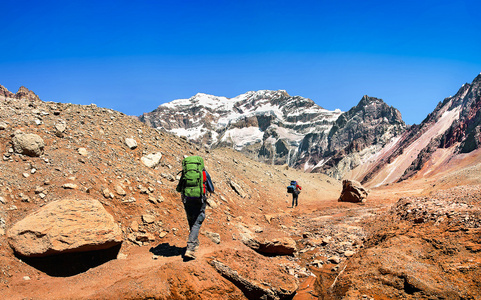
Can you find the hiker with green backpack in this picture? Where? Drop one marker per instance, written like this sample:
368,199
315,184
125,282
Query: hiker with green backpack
193,185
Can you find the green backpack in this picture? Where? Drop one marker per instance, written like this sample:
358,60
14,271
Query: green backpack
191,182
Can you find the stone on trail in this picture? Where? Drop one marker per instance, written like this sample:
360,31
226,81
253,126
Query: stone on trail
278,246
65,226
352,191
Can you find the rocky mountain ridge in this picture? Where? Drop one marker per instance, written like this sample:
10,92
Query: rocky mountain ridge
452,128
276,128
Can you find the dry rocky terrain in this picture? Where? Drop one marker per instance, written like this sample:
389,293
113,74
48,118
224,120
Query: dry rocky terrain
418,239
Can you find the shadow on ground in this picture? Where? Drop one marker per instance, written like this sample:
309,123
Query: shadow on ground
70,264
165,249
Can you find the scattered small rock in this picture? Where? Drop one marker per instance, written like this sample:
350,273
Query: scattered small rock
238,189
83,151
148,219
70,186
214,237
120,191
334,259
131,143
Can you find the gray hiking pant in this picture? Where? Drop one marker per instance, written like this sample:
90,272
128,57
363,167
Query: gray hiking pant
195,211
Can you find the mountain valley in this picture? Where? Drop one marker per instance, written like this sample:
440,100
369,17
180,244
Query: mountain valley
417,236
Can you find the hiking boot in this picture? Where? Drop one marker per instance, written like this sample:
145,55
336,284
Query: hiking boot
189,254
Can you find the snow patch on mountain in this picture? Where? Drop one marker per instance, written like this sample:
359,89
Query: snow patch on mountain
241,137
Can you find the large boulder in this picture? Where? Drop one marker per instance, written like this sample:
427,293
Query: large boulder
29,144
353,191
65,226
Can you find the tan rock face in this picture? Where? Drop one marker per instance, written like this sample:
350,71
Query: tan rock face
65,226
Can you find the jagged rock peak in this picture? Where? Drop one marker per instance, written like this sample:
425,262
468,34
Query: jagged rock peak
3,89
5,93
373,108
23,92
366,100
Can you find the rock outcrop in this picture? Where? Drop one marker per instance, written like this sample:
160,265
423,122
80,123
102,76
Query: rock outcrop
65,226
355,136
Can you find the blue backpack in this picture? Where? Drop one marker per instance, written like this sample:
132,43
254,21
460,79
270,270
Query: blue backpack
291,188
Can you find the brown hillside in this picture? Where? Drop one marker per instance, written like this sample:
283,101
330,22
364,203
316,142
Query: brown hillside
359,251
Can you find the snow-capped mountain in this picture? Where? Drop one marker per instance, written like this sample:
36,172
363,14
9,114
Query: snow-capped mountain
266,125
277,128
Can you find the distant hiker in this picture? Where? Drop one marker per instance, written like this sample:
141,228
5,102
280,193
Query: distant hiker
193,185
295,190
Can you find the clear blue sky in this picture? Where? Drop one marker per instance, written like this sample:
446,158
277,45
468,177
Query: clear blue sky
132,56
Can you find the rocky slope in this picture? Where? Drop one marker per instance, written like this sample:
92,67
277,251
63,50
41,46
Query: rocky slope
276,128
89,211
450,130
422,248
